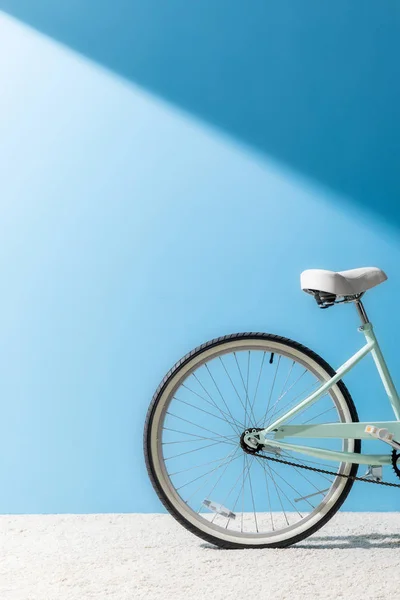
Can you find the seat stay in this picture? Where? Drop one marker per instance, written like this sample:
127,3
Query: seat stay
382,369
371,346
348,430
349,364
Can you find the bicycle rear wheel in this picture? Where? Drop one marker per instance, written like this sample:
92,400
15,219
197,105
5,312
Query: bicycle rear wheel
192,442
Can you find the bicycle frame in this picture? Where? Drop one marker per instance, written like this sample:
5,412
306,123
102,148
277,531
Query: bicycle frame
339,430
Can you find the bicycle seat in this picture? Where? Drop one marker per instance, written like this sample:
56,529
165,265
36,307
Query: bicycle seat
342,283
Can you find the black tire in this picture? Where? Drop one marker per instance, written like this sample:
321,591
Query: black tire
149,424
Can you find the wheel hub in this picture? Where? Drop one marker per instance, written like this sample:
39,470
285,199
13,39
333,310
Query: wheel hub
248,442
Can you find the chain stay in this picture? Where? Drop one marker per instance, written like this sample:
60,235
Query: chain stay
307,468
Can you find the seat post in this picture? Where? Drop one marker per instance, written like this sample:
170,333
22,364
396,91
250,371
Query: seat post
361,312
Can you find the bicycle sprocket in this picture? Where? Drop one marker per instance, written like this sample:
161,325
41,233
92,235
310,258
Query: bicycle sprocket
396,462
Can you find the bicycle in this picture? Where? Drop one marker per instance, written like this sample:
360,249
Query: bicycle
239,432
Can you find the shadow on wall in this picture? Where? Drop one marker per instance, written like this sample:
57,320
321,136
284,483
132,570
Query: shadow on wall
313,84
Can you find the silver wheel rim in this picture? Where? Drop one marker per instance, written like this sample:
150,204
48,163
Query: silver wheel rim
209,522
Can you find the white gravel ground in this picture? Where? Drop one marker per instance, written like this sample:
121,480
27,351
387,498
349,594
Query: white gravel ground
134,557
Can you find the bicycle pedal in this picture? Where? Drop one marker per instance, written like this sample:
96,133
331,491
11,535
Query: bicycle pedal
383,434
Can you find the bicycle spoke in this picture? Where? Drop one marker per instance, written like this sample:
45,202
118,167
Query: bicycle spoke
272,388
201,409
282,394
277,492
211,491
233,385
197,439
233,458
287,483
191,451
287,498
269,499
245,389
231,490
196,425
300,472
219,392
205,474
320,415
211,403
248,469
211,398
252,499
274,414
280,411
244,478
198,466
302,411
247,384
258,381
196,435
287,379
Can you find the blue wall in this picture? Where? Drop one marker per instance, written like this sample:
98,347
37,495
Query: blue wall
167,171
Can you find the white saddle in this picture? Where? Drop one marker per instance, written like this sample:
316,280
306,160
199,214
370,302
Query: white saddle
342,283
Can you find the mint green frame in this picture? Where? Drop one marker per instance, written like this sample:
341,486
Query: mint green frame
339,430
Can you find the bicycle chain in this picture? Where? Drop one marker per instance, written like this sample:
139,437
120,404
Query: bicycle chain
307,468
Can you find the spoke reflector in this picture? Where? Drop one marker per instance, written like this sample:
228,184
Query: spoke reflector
219,509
